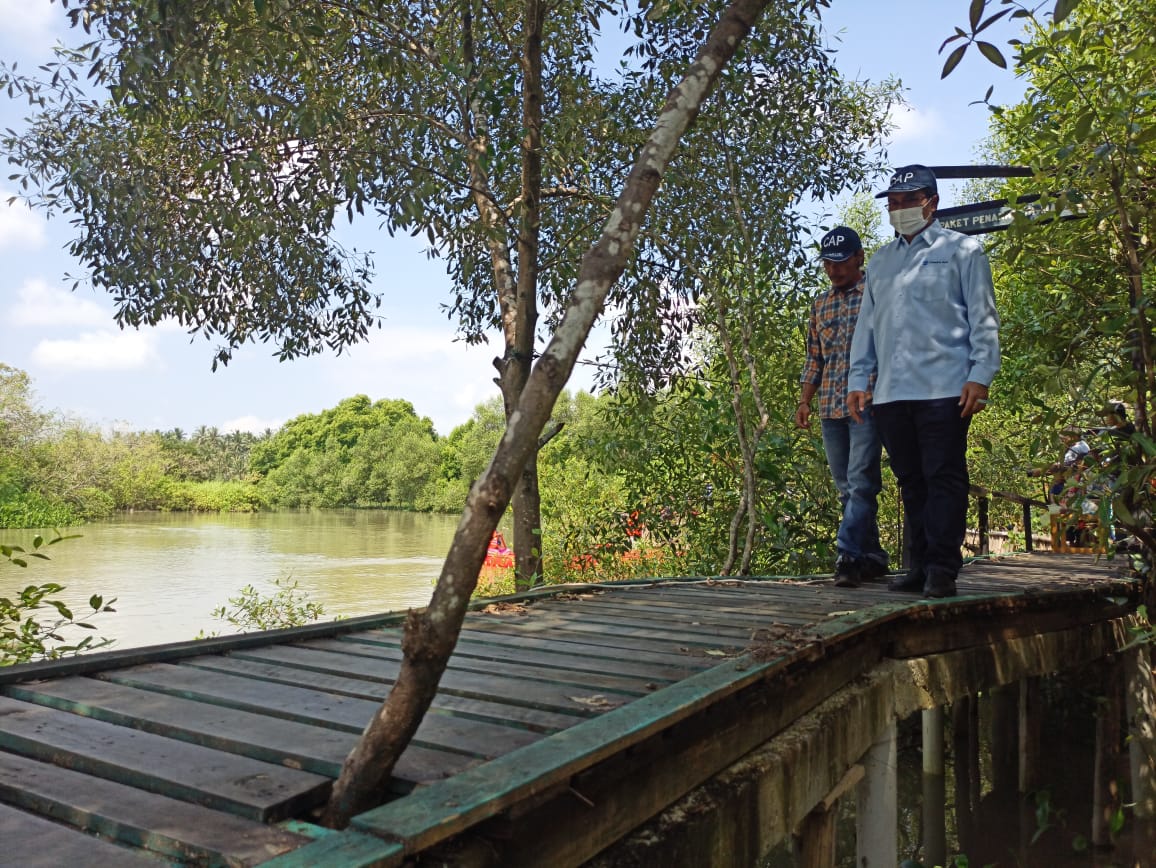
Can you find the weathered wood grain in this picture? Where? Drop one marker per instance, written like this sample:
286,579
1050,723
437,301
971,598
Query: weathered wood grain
249,788
32,842
445,732
136,818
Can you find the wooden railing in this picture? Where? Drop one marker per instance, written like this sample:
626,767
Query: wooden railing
983,499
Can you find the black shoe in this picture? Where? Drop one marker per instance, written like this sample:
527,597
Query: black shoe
912,582
846,572
870,570
939,585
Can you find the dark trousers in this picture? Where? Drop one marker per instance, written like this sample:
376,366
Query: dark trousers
927,443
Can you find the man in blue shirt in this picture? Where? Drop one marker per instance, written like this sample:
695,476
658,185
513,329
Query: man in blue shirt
929,331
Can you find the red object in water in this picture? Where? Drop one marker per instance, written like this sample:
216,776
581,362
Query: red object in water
498,554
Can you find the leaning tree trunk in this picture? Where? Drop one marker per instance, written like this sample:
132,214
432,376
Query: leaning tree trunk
430,634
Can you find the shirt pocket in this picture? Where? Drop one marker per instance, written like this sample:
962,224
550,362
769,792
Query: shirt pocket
934,281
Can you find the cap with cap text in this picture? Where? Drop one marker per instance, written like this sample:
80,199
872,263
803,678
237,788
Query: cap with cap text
840,244
907,179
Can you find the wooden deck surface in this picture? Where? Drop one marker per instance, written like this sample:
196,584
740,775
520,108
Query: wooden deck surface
217,752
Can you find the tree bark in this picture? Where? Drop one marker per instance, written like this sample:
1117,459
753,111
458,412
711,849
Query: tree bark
430,634
527,499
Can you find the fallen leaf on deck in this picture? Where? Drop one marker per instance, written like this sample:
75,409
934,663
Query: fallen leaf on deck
595,701
505,609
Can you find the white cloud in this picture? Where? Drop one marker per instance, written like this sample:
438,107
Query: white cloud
29,23
38,304
251,424
20,227
914,125
98,351
442,378
25,20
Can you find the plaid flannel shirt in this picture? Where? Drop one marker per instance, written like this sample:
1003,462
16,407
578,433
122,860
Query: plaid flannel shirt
832,325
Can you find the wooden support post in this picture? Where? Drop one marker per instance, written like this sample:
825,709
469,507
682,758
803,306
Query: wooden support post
1140,701
934,789
1004,741
877,805
984,544
1105,786
961,752
814,840
1030,732
1027,527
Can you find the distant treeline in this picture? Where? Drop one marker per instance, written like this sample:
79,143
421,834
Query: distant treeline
361,453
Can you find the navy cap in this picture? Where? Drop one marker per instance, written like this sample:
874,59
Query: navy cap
910,178
840,244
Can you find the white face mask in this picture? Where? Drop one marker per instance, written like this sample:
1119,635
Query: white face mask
907,221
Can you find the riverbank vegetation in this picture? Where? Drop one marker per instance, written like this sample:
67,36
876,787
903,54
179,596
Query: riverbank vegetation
690,450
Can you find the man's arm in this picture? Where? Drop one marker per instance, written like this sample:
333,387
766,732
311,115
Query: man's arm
862,362
803,411
982,316
812,374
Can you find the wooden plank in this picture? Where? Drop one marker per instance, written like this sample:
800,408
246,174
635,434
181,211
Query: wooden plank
624,638
788,603
135,818
475,686
103,660
579,679
248,788
529,719
630,641
575,618
680,612
678,663
32,842
782,607
270,739
344,850
446,808
543,659
316,707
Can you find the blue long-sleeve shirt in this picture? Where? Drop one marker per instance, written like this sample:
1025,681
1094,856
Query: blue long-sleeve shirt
928,322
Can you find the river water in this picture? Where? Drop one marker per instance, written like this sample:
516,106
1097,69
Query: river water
168,571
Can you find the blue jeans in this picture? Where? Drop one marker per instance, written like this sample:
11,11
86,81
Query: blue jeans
927,444
853,453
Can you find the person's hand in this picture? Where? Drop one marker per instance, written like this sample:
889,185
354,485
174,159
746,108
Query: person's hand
857,404
972,399
803,415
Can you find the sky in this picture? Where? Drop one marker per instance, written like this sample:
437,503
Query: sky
83,366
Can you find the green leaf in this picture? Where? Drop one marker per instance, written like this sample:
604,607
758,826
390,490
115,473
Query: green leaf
953,60
992,53
990,20
1083,125
975,12
1063,9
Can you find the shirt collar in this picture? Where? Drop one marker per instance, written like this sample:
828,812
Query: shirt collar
857,286
927,236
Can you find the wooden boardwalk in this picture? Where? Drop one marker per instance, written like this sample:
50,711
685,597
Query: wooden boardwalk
597,706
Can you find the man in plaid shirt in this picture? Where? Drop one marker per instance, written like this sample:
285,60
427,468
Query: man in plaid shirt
853,448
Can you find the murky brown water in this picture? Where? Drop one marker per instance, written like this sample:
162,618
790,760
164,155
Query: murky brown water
168,571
